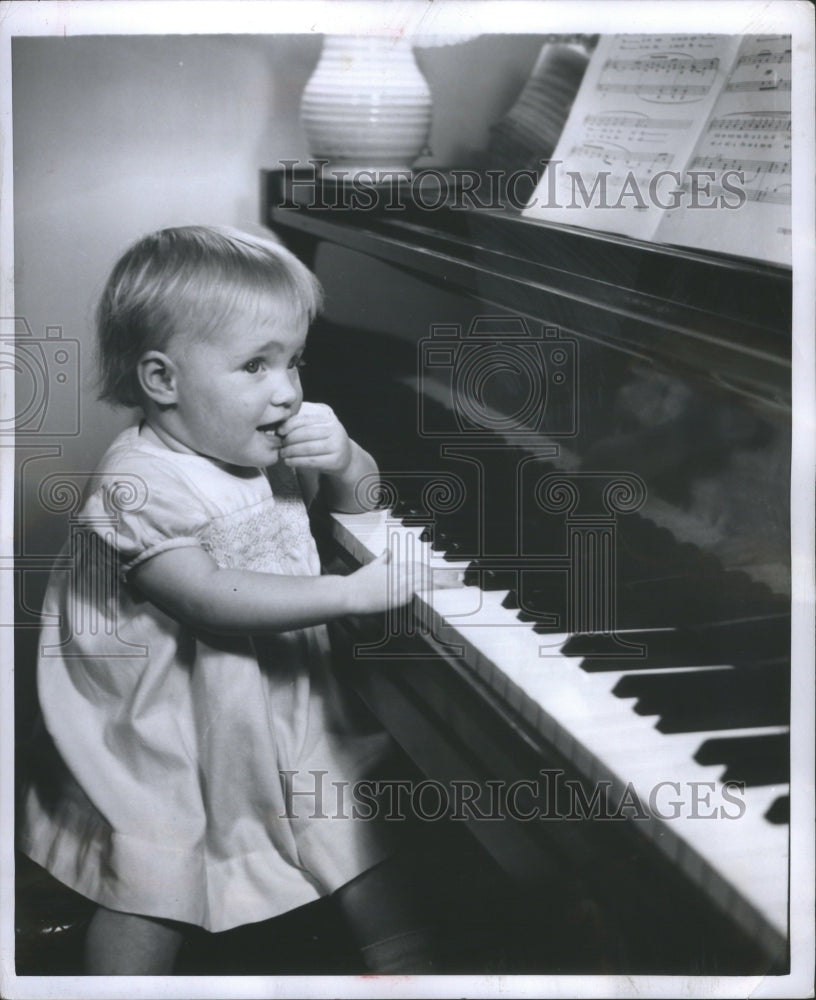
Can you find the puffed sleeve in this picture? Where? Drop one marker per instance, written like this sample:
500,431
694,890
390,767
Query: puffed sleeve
143,510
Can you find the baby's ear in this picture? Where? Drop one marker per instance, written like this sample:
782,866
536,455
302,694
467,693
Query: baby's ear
157,377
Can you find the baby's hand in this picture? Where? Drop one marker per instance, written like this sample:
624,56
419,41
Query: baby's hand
387,583
382,584
315,439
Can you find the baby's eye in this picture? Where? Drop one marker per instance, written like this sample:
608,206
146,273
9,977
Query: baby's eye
253,366
297,363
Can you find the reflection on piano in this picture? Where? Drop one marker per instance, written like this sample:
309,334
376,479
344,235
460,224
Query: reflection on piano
642,649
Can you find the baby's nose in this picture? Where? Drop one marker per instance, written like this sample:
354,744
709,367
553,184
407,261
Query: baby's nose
284,391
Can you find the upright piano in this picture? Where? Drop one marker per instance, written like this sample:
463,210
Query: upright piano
595,433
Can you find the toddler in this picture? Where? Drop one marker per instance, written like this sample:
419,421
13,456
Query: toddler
186,663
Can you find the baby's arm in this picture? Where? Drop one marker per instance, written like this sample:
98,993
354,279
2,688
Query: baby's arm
314,439
188,585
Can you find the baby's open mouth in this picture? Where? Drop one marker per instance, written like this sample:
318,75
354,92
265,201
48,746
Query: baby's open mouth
271,430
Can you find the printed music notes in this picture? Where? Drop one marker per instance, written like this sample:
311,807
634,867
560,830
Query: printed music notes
663,78
766,69
667,129
749,135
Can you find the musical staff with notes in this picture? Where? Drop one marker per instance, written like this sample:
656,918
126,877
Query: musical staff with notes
669,79
756,123
619,161
633,141
720,141
622,157
639,121
763,180
748,136
636,115
767,69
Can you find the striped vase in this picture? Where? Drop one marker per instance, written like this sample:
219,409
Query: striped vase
367,106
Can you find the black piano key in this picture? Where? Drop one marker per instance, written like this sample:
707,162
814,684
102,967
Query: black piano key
755,760
691,701
446,544
661,650
409,509
511,600
544,606
441,541
485,576
544,621
779,812
445,540
763,640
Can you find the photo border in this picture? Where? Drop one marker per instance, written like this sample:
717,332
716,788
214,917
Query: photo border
482,16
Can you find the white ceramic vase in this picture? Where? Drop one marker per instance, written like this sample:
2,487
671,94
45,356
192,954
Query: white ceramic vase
367,106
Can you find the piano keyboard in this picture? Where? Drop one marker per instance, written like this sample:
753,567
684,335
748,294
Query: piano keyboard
631,722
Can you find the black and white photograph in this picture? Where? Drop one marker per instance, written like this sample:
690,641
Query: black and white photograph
408,449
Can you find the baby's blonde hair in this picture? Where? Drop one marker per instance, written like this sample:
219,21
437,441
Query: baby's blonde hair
191,280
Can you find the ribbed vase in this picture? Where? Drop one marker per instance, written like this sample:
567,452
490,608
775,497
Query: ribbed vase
367,105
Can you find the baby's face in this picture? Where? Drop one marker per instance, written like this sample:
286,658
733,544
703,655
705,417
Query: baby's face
235,388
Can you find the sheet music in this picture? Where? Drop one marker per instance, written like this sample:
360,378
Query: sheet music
638,113
749,131
680,139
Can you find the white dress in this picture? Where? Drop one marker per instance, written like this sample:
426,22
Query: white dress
162,785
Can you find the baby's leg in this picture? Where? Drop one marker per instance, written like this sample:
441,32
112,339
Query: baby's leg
389,917
124,944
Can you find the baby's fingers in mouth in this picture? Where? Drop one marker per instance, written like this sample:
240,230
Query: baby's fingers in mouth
270,430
